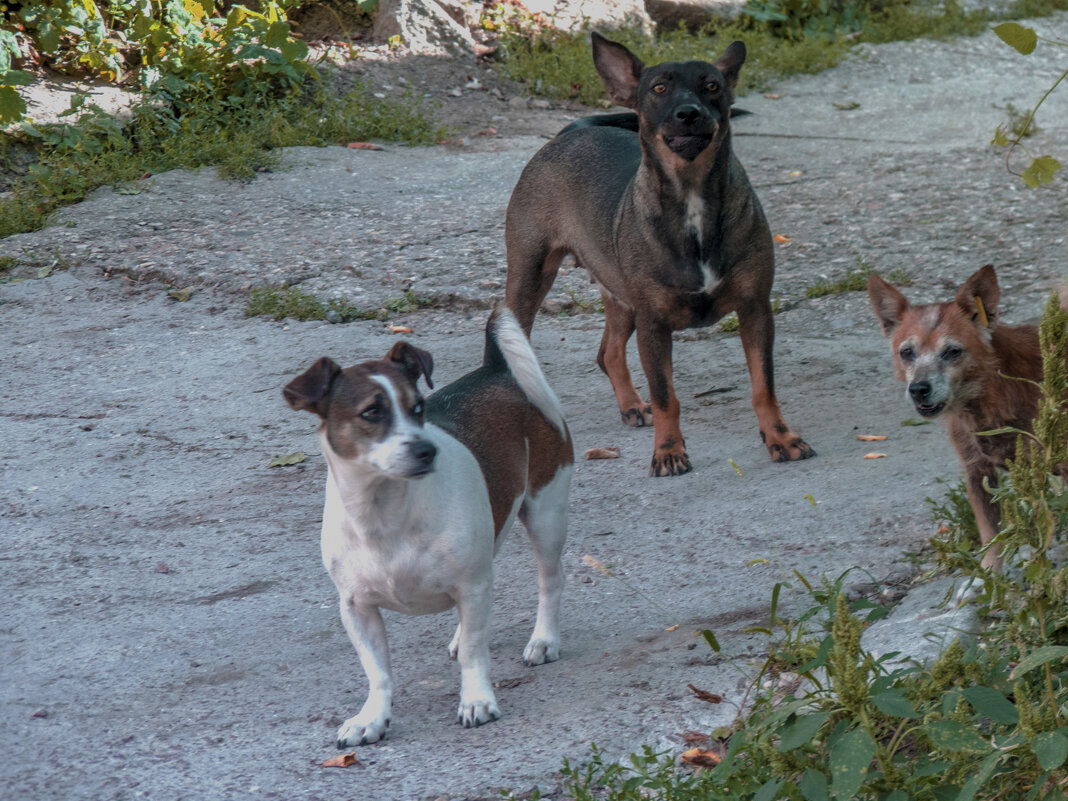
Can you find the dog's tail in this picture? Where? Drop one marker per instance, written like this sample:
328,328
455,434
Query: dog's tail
508,350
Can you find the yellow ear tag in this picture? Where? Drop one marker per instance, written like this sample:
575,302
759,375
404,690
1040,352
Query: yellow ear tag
981,311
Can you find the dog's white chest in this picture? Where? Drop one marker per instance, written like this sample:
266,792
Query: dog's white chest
695,216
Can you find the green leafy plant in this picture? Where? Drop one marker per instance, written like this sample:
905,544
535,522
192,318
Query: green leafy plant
1042,168
855,280
285,302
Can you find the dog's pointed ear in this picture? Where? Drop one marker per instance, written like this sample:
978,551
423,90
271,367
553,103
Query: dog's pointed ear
730,64
413,361
309,390
620,70
978,297
889,304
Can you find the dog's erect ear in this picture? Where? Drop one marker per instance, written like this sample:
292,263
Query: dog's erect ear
413,361
620,70
310,389
730,63
889,304
978,297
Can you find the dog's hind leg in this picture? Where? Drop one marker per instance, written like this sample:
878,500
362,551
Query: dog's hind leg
531,272
368,634
478,704
612,359
757,328
545,518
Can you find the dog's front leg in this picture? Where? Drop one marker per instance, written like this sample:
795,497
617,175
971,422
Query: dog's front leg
367,632
478,704
757,329
987,513
669,448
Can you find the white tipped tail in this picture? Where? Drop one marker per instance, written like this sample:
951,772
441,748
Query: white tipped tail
523,365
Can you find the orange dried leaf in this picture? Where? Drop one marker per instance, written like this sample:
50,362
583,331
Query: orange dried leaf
400,329
364,146
701,759
781,238
871,437
943,529
342,761
773,96
602,453
691,737
875,456
672,628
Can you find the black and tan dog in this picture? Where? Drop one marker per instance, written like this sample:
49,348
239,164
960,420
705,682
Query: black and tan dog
666,223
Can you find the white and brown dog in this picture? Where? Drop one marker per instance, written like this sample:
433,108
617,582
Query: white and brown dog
419,494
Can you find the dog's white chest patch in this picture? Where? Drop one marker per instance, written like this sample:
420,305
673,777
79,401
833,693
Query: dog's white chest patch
695,214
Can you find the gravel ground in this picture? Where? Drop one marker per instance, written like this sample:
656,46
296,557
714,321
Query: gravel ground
170,631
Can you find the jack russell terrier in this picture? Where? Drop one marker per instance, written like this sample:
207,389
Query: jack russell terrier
418,497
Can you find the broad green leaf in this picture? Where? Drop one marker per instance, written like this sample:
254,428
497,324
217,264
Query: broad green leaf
979,780
16,78
1000,139
284,461
1041,171
768,790
1022,38
915,421
820,659
951,735
992,703
894,703
277,34
850,758
813,785
897,795
1038,657
12,106
294,49
801,730
1051,748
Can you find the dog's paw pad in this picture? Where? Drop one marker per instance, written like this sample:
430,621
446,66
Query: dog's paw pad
476,713
637,418
538,652
790,450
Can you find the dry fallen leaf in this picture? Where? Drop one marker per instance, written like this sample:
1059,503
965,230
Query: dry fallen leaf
342,761
162,568
491,131
875,456
705,695
364,146
796,174
773,96
691,737
701,759
871,437
781,238
672,628
602,453
285,461
943,529
400,329
181,295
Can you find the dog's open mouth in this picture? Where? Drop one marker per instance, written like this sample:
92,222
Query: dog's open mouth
688,146
930,411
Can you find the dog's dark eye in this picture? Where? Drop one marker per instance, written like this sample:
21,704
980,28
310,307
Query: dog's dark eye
951,353
659,88
712,86
907,354
372,414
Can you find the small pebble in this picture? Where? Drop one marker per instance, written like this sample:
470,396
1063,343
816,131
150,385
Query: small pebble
333,316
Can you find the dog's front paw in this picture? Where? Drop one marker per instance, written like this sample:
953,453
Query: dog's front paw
477,711
637,417
670,464
541,650
362,729
789,448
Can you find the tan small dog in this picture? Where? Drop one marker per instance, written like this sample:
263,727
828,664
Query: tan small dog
961,364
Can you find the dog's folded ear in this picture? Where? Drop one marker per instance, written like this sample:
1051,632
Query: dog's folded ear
620,70
730,63
889,304
413,361
979,295
309,390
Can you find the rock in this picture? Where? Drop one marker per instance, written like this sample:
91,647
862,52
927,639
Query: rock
575,14
425,27
669,14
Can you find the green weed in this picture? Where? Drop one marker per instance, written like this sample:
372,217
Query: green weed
238,136
289,302
408,302
855,280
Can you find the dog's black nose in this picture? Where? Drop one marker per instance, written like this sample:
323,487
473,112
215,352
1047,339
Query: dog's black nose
424,452
688,113
919,391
